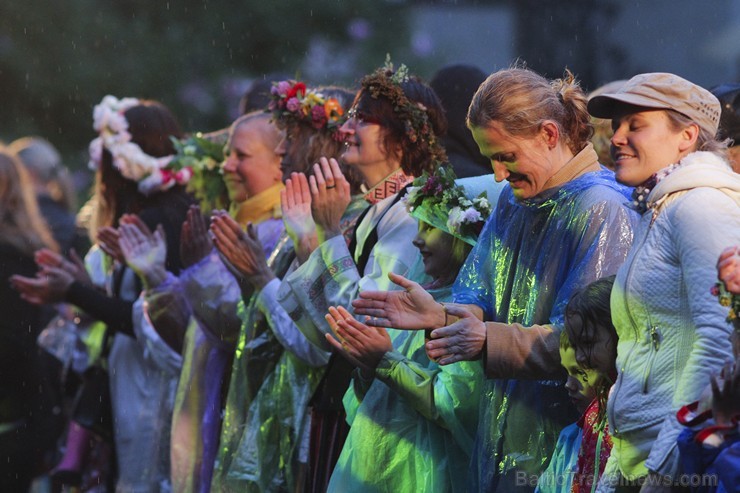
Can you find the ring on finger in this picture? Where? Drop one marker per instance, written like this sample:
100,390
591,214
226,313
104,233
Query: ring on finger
329,187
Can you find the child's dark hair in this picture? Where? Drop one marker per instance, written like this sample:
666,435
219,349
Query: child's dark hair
592,306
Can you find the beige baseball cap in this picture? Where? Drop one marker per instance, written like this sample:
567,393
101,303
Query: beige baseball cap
660,90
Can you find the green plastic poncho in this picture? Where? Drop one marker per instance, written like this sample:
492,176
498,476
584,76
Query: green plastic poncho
412,429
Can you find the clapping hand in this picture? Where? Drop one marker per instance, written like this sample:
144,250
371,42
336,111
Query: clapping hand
241,250
108,242
410,308
363,346
143,251
330,196
195,243
49,286
75,266
295,200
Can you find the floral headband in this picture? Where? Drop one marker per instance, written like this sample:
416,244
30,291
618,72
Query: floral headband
203,155
293,102
438,200
149,172
386,83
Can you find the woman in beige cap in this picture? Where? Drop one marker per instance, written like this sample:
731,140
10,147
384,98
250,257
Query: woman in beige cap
672,332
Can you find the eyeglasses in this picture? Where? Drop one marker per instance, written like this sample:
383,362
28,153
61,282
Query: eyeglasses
362,117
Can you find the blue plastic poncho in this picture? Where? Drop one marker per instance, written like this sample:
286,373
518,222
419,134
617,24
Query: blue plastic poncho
531,256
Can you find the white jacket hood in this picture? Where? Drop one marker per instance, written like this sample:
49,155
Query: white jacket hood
698,169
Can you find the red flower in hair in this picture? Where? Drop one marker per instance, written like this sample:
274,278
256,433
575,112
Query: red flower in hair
298,87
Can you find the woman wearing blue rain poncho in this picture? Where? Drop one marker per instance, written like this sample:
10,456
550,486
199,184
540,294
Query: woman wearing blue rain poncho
561,224
413,421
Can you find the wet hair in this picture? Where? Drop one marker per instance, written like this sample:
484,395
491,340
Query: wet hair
522,100
705,141
21,223
317,143
270,132
416,156
151,124
592,306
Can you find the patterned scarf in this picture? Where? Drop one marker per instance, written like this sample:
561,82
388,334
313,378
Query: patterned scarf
391,184
641,192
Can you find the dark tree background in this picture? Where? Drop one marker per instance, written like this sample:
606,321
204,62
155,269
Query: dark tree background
58,59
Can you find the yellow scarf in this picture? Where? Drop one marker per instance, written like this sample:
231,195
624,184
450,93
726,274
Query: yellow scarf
265,205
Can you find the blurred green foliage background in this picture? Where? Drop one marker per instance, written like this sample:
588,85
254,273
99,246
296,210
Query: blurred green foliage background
58,59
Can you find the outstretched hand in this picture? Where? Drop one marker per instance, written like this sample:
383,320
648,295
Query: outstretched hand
242,250
75,266
460,341
108,242
330,196
363,346
49,286
295,200
144,252
411,308
194,241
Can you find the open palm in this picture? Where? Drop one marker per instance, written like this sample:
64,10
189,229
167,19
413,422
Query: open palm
411,308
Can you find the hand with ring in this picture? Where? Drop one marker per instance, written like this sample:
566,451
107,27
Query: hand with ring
330,196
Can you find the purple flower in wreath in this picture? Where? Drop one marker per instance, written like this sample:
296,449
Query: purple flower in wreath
293,105
282,88
430,186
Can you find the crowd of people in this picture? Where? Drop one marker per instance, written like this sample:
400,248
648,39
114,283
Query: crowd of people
332,294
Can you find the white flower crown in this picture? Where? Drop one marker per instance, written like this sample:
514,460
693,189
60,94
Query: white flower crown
149,172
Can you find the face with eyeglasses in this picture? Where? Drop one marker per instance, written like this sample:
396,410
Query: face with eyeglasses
363,139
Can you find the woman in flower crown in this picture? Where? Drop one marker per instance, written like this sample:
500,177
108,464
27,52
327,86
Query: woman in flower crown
130,156
413,421
391,137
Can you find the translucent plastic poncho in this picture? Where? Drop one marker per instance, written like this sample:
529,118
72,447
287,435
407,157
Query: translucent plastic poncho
257,354
266,408
530,257
412,429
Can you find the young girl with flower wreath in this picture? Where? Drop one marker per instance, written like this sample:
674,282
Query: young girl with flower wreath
413,421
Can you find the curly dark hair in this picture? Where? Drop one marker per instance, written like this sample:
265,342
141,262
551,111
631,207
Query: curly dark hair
411,115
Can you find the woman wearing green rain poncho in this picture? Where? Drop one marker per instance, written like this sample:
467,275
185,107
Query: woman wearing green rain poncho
413,421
